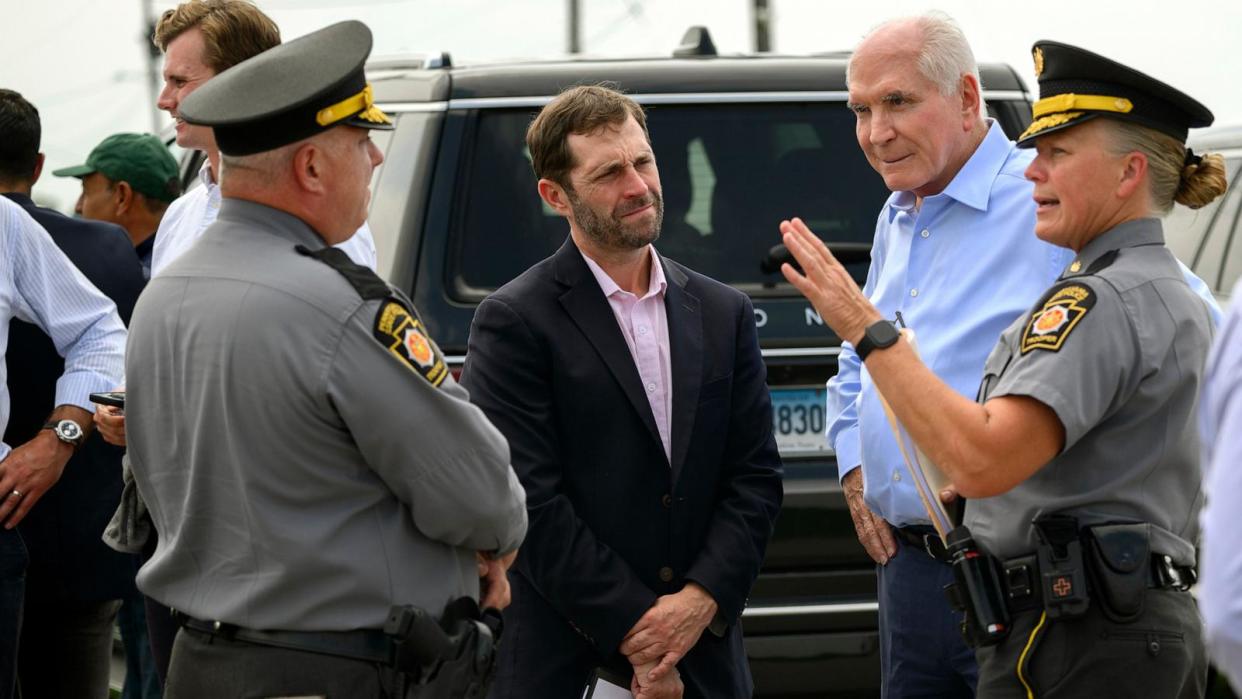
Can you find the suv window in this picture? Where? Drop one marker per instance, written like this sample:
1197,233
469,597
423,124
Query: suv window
729,175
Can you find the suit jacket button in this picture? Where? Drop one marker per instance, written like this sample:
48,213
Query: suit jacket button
666,574
667,501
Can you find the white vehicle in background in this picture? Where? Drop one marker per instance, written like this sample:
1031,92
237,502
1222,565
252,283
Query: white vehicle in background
1209,240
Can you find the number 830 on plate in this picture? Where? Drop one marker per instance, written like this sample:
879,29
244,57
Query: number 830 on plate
798,416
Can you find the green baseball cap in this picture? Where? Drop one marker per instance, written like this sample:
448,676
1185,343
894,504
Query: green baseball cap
142,160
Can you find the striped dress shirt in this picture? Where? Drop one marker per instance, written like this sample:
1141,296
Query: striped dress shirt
39,285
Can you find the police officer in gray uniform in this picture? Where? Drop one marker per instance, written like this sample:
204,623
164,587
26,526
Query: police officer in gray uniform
320,484
1080,456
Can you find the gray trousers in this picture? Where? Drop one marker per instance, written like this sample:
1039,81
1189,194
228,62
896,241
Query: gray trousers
211,667
1161,655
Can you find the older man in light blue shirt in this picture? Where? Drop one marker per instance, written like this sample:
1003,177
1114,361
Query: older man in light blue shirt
958,269
956,255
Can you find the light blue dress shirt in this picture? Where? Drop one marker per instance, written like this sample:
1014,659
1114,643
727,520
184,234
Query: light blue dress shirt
39,285
960,269
1220,422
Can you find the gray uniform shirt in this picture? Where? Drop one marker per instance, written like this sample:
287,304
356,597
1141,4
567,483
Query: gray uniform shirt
1116,348
303,475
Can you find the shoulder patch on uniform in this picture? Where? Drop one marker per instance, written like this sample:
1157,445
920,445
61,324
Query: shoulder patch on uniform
1054,319
404,334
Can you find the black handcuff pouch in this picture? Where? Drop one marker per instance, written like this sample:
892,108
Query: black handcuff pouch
1063,577
1119,561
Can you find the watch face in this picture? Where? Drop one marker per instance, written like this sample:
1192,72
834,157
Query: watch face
68,430
883,333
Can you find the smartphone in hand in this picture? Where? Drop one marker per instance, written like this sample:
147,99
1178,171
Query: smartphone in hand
115,399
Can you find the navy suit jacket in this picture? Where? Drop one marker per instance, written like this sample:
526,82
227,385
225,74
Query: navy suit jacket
62,532
614,525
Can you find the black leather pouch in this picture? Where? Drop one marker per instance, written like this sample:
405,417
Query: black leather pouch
1119,561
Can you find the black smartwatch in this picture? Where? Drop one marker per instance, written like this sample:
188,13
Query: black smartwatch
878,335
67,431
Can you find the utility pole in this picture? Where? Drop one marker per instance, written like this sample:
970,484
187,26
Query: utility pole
573,27
762,15
153,64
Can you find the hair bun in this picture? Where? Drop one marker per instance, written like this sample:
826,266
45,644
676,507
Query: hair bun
1203,179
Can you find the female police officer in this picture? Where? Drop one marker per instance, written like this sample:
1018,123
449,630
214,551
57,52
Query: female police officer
1080,456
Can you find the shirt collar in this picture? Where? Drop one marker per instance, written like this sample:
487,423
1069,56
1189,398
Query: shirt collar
204,175
20,199
656,283
145,248
973,183
1130,234
248,217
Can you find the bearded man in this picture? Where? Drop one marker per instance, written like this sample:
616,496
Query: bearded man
633,395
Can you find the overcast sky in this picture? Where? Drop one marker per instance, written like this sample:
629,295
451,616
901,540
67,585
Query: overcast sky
83,62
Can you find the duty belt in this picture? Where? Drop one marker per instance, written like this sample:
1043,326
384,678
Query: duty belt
1020,580
372,646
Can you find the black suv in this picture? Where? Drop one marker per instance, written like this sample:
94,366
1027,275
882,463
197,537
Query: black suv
741,142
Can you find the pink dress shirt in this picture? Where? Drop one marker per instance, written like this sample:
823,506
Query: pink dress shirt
644,324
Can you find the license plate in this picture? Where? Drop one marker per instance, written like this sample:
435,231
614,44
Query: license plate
798,420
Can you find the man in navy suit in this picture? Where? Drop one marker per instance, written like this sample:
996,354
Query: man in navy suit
74,582
634,398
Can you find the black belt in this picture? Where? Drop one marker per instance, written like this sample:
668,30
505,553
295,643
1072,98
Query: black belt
366,645
925,538
1020,579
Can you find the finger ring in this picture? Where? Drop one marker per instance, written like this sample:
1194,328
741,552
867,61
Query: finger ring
16,493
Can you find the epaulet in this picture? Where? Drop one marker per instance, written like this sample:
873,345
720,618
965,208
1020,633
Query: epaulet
1103,261
366,282
396,326
1099,264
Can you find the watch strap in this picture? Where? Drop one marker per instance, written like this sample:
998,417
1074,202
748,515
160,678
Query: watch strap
864,347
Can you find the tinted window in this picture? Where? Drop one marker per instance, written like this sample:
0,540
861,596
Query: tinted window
729,173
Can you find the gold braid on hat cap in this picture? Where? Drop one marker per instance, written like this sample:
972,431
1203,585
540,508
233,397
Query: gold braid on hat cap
361,105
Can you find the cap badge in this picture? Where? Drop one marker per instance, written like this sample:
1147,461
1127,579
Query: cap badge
1076,266
1038,55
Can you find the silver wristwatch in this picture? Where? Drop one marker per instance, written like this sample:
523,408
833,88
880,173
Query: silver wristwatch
67,431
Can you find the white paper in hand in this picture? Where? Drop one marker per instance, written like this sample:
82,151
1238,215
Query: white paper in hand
601,688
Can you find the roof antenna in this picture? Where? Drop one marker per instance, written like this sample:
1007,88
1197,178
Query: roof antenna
695,42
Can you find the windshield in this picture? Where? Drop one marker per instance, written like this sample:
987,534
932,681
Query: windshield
730,173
